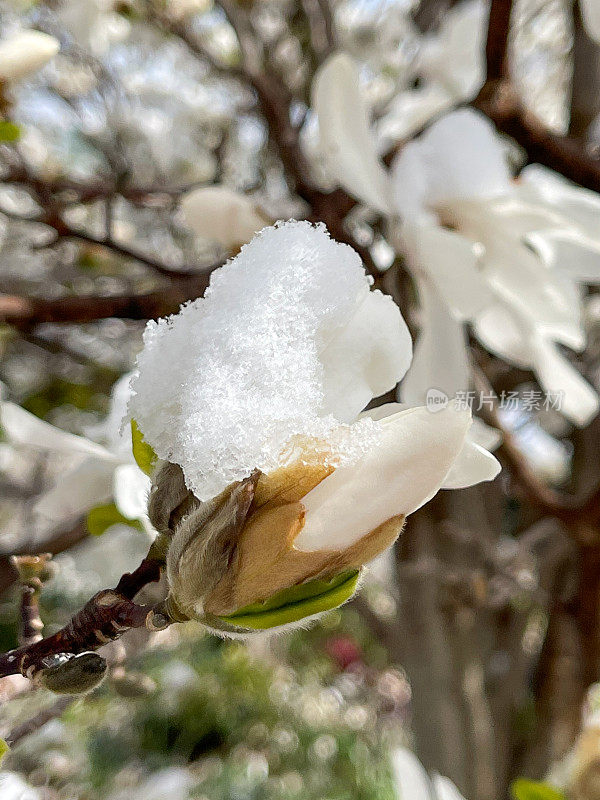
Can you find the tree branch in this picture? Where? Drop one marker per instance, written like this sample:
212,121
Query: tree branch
26,312
104,618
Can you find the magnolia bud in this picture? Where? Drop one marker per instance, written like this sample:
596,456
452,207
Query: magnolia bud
232,563
202,547
66,673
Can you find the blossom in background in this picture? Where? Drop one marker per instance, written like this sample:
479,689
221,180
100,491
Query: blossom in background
272,369
506,256
590,13
97,474
25,52
450,66
413,783
222,215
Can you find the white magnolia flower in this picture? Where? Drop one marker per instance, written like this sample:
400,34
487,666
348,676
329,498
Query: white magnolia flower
222,215
413,783
97,473
505,256
271,370
25,52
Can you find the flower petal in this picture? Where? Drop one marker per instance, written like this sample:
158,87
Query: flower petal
411,183
579,400
451,263
398,475
222,215
346,137
590,11
410,778
366,358
25,52
23,428
484,435
519,276
445,789
441,358
409,111
455,56
501,331
131,488
473,465
569,252
466,158
87,485
578,207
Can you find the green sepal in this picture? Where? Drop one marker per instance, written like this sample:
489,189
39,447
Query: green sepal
295,603
9,132
144,455
524,789
100,518
4,748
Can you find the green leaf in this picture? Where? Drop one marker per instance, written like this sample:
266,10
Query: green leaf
9,132
523,789
144,455
100,518
4,748
295,603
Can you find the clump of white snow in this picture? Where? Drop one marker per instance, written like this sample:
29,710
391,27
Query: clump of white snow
288,341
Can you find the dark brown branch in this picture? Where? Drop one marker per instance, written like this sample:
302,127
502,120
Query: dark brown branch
104,618
496,47
564,154
25,312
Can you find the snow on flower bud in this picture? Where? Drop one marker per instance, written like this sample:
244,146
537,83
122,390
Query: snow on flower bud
285,489
24,53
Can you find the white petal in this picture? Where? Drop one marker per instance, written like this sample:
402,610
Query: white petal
484,435
455,56
473,465
466,156
501,331
130,491
577,206
409,111
366,358
410,778
441,357
23,428
569,252
445,789
451,262
222,215
400,473
25,52
590,11
517,274
411,183
579,401
385,410
347,141
86,486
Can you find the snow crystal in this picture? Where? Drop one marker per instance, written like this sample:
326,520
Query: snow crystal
226,384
